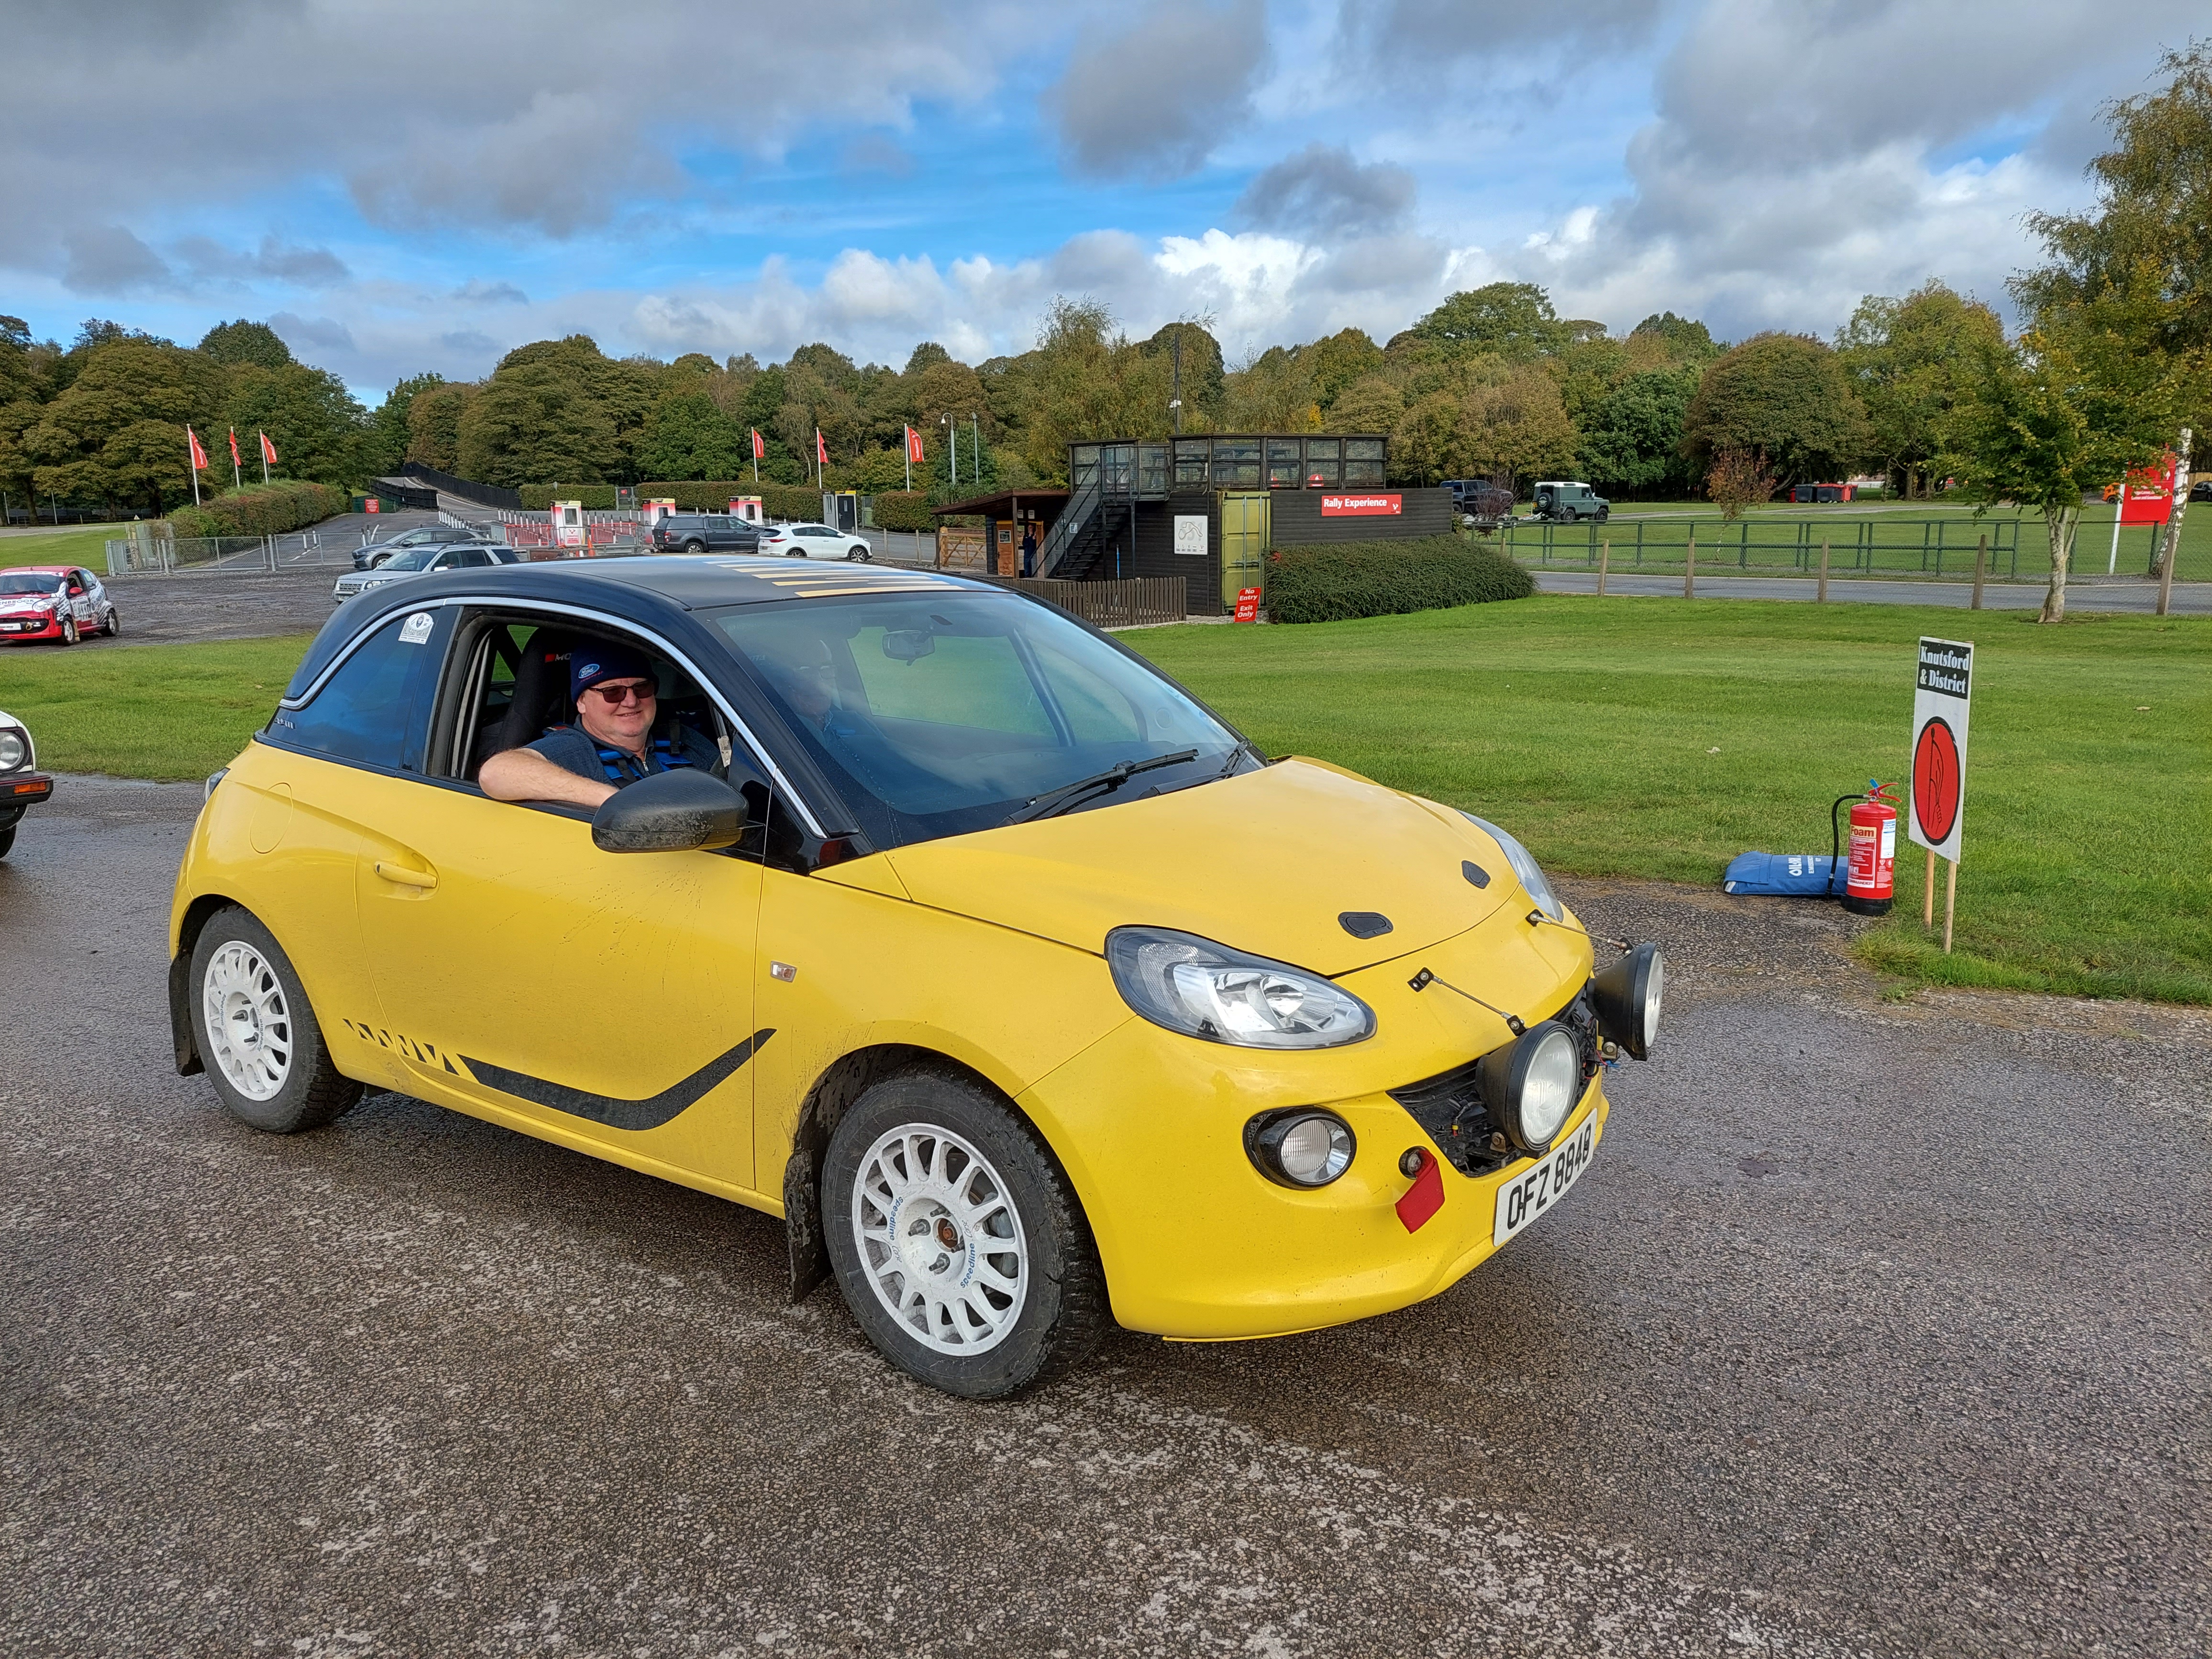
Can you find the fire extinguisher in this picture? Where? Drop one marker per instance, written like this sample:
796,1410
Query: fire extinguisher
1871,885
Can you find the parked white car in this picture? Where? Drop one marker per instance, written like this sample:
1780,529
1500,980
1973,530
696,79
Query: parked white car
22,786
815,541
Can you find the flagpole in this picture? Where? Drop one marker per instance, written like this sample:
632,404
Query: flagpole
910,460
236,482
193,460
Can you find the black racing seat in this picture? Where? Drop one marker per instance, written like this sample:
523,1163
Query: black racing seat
541,695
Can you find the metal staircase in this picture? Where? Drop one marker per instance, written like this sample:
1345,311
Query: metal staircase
1100,518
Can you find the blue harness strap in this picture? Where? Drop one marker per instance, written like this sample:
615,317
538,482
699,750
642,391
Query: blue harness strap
623,768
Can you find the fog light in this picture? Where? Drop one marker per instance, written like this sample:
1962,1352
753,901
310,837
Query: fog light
1627,998
1303,1149
1531,1084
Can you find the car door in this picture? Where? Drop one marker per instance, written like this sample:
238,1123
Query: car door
78,599
604,999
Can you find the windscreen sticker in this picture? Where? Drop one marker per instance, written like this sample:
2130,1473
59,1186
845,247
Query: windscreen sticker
416,628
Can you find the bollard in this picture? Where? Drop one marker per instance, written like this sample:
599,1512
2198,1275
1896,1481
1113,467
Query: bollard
1690,571
1981,561
1824,570
1604,554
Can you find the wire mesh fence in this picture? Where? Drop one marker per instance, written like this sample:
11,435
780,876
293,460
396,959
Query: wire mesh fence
1873,546
146,553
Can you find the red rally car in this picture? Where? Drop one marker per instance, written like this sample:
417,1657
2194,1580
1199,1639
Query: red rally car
61,601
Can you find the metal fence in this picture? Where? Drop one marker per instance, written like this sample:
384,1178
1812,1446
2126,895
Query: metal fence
144,553
1867,546
1130,603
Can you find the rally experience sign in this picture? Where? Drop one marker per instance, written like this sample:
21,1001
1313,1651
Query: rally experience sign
1941,696
1362,506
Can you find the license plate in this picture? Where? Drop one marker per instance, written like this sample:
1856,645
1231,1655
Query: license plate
1520,1201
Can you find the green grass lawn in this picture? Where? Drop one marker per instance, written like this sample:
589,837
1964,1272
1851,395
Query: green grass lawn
84,545
1617,737
151,711
1628,737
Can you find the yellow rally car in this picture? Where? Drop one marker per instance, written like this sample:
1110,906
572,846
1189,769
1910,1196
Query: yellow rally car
1015,982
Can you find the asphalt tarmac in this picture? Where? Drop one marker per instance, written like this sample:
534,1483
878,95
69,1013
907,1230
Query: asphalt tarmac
1875,1328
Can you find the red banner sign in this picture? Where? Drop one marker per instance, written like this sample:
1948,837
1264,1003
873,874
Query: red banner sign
2148,495
1362,506
1248,604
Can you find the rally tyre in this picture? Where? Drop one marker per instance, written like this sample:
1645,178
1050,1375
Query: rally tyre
7,840
68,631
258,1038
958,1241
114,623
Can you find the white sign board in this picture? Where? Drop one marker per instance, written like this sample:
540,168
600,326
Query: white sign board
1190,534
1942,694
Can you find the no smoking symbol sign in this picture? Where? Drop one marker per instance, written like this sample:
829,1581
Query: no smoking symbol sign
1936,780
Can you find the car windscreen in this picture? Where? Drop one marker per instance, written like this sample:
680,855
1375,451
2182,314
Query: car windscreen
936,713
415,558
28,582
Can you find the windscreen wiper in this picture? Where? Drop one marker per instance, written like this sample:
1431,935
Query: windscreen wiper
1055,801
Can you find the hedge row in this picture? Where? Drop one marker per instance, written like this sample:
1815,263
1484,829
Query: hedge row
1385,579
261,510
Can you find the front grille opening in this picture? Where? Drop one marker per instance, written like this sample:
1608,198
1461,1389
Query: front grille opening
1450,1106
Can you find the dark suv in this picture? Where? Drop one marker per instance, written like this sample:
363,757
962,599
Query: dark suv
1479,500
706,533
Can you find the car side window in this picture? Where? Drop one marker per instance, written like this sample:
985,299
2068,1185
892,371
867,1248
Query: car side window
365,712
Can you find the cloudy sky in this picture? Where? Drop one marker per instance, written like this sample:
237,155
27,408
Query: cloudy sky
406,186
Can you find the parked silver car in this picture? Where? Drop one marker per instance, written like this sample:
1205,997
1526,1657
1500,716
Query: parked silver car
419,561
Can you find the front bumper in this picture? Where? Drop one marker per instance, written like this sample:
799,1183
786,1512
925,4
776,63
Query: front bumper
1197,1244
20,791
21,628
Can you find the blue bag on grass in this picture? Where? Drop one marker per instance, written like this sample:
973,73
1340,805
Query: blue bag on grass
1791,875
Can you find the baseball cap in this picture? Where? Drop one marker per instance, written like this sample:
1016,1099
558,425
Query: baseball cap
590,663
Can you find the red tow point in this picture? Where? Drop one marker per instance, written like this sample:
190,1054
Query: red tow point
1426,1196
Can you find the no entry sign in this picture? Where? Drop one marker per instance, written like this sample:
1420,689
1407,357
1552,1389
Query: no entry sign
1941,696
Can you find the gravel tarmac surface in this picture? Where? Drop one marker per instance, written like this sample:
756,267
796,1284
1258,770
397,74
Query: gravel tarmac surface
1875,1328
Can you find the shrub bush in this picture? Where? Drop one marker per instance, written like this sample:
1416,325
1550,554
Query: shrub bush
268,510
1335,582
904,509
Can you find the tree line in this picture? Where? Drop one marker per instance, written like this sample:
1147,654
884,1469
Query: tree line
1925,388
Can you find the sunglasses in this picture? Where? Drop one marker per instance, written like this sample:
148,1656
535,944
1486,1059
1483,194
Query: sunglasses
617,695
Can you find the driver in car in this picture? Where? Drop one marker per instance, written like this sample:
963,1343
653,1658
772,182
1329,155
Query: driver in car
612,743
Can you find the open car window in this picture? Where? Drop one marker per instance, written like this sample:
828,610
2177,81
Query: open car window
506,686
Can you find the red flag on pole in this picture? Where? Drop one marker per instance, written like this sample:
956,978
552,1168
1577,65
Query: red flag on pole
268,450
914,445
820,449
199,455
234,460
760,449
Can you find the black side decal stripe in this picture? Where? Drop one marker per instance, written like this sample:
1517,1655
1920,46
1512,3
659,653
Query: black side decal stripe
647,1114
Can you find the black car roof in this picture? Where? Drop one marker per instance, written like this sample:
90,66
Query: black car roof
651,591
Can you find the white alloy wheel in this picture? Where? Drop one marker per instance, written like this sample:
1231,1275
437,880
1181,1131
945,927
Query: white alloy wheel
939,1239
248,1025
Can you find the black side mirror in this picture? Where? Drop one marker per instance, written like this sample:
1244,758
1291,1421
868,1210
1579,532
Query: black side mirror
685,811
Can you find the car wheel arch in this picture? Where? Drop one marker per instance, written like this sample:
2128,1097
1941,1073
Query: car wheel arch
841,1085
184,1030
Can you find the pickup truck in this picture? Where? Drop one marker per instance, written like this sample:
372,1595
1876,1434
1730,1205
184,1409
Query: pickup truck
705,532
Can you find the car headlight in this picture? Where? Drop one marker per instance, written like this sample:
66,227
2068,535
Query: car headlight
1532,1084
1525,867
1627,996
15,748
1300,1148
1201,989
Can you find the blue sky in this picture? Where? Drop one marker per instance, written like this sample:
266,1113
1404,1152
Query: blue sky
406,185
